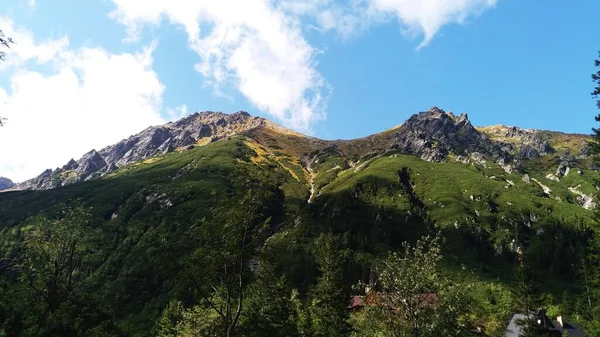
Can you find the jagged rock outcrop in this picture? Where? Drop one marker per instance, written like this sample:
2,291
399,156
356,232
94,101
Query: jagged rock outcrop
434,134
6,183
523,143
44,181
91,163
155,140
71,165
527,151
531,139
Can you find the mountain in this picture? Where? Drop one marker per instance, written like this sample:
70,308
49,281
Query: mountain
433,135
6,183
493,192
156,140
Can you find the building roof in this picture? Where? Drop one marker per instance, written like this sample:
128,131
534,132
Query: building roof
514,329
375,298
572,329
356,302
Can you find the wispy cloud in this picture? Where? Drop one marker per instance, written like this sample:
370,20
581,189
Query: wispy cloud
250,45
428,16
416,17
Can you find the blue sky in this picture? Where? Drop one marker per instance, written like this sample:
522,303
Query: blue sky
86,74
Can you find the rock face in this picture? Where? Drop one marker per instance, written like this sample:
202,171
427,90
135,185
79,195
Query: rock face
532,142
527,151
155,140
6,183
434,134
90,165
524,144
563,169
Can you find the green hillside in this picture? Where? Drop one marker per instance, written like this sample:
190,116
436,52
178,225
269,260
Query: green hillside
156,227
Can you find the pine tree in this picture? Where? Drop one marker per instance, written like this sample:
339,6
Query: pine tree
329,316
596,95
270,309
526,291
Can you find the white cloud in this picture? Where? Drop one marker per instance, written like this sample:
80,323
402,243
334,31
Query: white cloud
257,46
417,17
251,45
428,16
85,98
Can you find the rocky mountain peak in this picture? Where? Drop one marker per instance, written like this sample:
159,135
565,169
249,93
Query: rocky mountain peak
434,134
71,165
436,110
204,127
90,165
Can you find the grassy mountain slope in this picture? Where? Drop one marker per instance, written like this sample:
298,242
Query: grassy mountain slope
373,194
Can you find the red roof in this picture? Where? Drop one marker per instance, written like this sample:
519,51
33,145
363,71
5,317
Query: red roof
356,302
372,298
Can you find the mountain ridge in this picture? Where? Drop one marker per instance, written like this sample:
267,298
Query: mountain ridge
435,172
432,135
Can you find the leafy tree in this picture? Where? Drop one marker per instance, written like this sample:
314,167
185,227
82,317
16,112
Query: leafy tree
328,312
53,262
201,321
171,315
219,269
368,323
416,299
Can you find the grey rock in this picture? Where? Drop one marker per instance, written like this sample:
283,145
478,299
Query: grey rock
566,156
71,165
563,169
6,184
434,134
89,164
528,152
205,131
532,144
585,152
